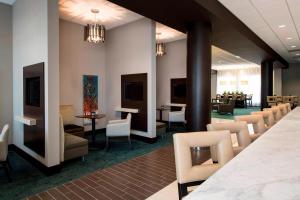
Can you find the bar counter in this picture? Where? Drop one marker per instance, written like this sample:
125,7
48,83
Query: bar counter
268,169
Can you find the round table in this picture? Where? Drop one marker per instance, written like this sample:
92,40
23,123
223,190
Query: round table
93,144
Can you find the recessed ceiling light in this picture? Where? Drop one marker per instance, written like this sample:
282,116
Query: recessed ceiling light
293,46
297,54
289,38
282,26
237,56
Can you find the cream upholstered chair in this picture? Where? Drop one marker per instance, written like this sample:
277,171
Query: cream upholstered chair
257,121
177,116
4,151
282,108
238,128
279,99
119,128
189,175
70,125
289,107
271,100
276,113
268,117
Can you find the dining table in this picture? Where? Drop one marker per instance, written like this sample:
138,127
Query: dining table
93,144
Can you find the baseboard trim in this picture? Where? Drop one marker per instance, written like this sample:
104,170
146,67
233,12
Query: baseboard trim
144,139
48,171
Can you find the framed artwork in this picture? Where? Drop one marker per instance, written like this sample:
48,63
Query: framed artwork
90,94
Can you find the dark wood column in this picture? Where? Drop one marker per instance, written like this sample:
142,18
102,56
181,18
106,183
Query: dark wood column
266,82
198,76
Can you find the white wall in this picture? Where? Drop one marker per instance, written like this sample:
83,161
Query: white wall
131,49
35,39
78,58
277,81
171,65
6,72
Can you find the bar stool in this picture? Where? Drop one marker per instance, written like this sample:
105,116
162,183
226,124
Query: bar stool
189,175
268,117
276,113
238,128
283,109
288,107
257,121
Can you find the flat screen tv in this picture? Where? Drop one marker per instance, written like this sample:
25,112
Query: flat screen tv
133,91
180,90
33,91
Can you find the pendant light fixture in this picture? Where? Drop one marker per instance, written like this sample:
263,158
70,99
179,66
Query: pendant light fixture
160,46
94,33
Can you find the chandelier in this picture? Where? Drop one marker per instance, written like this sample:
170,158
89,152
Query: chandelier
160,47
94,33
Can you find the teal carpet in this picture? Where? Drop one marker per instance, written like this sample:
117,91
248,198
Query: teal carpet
28,180
237,111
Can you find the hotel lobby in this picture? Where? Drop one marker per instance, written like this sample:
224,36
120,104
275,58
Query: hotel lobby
157,100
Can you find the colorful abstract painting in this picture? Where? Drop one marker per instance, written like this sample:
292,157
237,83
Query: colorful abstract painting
90,94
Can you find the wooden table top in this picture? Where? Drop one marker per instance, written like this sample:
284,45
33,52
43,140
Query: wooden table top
97,116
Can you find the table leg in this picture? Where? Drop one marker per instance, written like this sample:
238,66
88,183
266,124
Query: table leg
93,131
160,115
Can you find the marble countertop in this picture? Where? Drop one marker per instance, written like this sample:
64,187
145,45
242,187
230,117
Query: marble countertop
268,169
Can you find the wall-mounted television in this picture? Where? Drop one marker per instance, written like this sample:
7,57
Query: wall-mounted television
134,95
134,90
178,90
32,91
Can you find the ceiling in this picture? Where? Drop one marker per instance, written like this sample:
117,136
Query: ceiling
111,15
167,34
10,2
222,60
277,22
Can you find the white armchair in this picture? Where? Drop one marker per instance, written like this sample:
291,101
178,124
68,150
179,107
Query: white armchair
118,128
177,116
4,151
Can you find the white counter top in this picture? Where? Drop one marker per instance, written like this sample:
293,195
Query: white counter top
128,110
26,120
175,105
268,169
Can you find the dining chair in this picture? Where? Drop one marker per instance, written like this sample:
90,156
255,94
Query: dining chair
283,109
276,113
177,116
189,174
240,129
119,128
256,121
268,117
4,161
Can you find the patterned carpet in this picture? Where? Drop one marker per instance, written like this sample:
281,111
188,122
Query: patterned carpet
27,180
